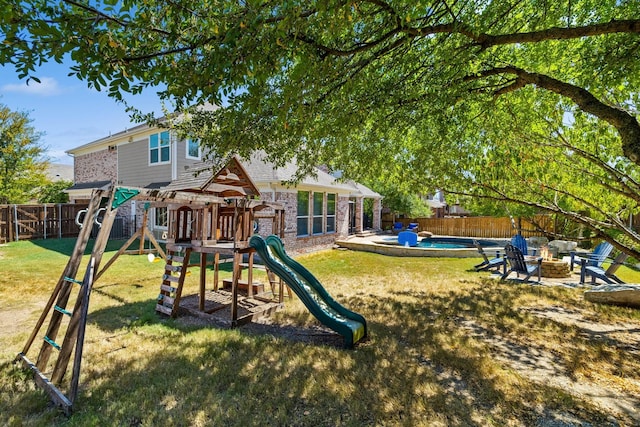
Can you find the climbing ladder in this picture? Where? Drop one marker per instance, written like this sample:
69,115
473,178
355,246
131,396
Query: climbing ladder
48,373
175,271
56,309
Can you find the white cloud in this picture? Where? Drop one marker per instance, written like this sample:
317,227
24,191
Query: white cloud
48,86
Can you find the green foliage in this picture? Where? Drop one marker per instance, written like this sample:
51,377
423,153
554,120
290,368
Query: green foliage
22,168
411,205
522,106
53,192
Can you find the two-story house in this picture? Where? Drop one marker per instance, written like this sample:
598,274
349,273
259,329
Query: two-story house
318,210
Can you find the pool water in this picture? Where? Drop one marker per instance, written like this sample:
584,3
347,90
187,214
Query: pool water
446,243
441,245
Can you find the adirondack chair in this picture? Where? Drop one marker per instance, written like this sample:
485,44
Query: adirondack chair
608,276
517,264
413,226
397,227
592,259
488,264
520,242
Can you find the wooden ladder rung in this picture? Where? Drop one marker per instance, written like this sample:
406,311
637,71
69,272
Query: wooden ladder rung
167,301
167,288
171,278
175,258
163,309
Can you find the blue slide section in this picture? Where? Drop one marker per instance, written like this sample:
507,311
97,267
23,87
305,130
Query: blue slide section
352,326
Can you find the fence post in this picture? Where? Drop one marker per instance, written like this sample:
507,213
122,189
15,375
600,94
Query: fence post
5,231
15,219
59,221
44,225
10,228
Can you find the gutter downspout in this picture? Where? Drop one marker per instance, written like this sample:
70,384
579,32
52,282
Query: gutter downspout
174,155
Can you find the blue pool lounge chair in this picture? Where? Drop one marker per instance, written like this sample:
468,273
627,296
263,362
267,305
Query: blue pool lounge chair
413,226
517,264
488,264
608,276
592,259
407,238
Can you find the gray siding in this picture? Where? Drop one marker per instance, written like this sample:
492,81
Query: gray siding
133,165
182,157
134,168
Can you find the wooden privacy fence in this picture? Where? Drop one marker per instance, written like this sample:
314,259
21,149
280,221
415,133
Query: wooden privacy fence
480,226
43,221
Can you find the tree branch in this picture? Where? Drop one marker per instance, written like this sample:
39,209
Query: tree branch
560,33
627,125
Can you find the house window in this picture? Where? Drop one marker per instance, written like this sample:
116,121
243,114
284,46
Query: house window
160,219
331,213
303,213
159,148
318,213
193,149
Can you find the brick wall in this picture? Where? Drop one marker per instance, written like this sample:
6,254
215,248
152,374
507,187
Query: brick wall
342,216
377,214
266,224
97,166
359,208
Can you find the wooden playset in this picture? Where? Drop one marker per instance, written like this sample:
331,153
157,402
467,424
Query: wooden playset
212,215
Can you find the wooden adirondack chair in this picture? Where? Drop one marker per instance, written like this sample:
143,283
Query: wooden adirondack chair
592,259
517,264
488,264
608,276
521,243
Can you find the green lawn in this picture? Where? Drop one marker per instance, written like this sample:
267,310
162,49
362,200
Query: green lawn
445,349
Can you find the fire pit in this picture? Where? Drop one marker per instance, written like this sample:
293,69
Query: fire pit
553,268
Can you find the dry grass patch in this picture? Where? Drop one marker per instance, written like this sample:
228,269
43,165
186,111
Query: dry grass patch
447,347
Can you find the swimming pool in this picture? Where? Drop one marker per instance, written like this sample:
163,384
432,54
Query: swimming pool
456,247
445,242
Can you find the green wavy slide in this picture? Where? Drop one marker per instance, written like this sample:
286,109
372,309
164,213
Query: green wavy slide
352,326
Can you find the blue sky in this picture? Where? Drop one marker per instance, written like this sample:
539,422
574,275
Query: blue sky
66,110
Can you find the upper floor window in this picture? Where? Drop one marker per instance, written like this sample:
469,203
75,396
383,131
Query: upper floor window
193,149
159,148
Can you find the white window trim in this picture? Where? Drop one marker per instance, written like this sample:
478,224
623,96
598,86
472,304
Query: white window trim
307,216
155,218
335,213
186,146
159,162
325,214
322,214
